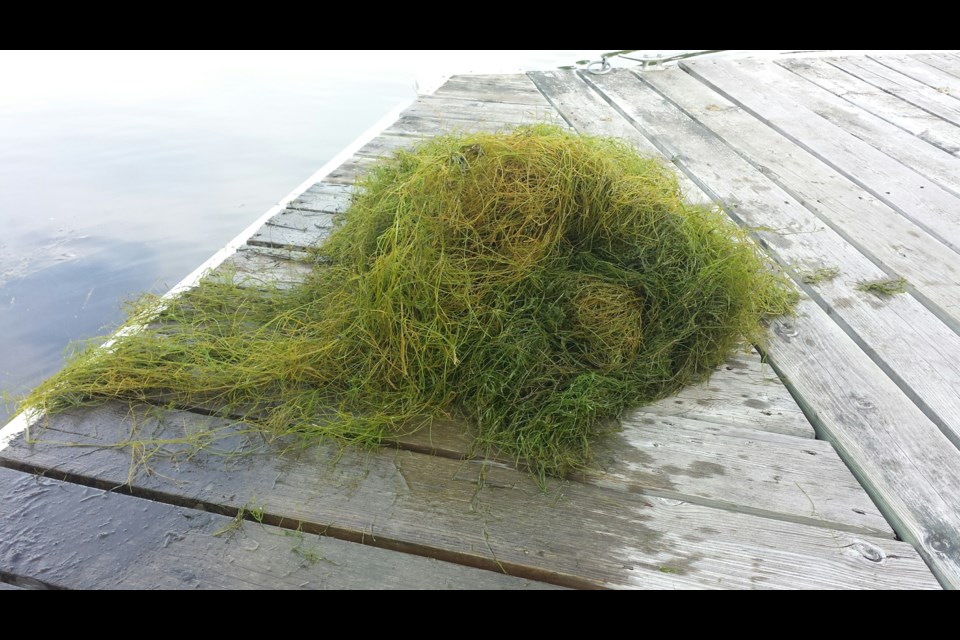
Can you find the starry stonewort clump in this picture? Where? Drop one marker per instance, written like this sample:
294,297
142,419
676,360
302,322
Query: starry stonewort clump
532,283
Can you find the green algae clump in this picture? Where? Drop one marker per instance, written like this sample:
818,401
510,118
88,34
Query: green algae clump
532,284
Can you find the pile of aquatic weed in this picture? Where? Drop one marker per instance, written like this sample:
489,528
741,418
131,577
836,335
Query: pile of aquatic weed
533,284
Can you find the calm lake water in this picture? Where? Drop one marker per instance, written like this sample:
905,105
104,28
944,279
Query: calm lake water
122,172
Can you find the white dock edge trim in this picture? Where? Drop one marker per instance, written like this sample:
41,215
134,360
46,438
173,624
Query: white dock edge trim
22,421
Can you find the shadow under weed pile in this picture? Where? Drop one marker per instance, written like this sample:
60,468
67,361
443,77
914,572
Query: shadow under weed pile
534,284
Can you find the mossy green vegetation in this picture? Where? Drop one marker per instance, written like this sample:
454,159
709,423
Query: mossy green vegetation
532,283
819,276
884,288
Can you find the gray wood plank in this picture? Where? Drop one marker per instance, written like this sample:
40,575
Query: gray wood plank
487,516
792,479
862,94
713,464
266,266
513,88
900,85
5,586
77,537
477,109
893,242
909,467
761,403
764,90
938,165
301,220
293,229
907,340
348,172
323,197
943,62
385,145
920,71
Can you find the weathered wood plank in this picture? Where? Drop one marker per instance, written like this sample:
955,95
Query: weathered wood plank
941,61
4,586
442,109
488,516
348,172
322,197
265,266
760,88
900,85
890,108
793,479
893,242
301,220
906,339
385,145
907,465
76,537
920,71
712,464
292,237
513,88
738,401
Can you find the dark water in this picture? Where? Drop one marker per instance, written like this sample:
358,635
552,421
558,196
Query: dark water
121,173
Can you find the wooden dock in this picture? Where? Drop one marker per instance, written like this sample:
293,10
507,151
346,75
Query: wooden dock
835,465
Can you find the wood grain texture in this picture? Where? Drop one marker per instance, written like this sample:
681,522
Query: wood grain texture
512,88
713,464
913,67
792,479
910,468
900,85
905,338
890,108
478,110
944,62
764,90
483,515
76,537
295,236
891,241
937,165
266,266
755,402
324,197
386,144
